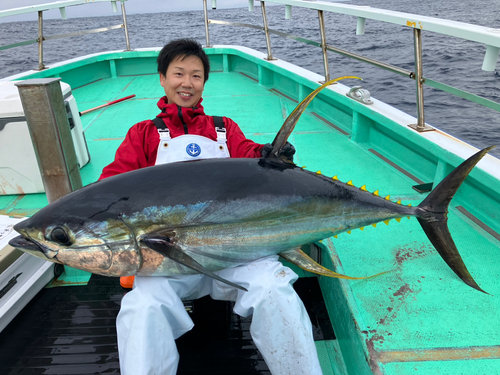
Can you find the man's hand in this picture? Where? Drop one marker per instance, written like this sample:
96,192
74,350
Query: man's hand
287,150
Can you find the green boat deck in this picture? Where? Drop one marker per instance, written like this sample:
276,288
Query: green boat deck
418,317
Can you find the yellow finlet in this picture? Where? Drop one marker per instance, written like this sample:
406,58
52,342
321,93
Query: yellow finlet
376,193
374,225
318,172
349,232
409,205
387,222
399,201
398,219
335,178
335,236
349,183
363,188
362,228
387,198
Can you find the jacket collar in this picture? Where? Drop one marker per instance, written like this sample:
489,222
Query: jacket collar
172,110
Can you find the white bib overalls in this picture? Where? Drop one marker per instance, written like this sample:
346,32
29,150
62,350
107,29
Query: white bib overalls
190,147
152,315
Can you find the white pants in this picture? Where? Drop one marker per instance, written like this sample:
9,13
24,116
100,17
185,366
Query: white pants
152,316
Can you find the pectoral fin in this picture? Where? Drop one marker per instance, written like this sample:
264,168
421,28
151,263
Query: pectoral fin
302,260
163,246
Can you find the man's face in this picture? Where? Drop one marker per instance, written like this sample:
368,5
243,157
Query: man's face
184,81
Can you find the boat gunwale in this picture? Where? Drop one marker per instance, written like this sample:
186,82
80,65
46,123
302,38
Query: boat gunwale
455,150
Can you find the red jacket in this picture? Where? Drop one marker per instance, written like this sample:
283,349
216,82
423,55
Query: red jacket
140,146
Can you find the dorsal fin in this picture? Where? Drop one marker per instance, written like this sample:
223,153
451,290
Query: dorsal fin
293,118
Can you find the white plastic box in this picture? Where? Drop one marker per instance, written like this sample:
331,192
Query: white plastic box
22,275
19,173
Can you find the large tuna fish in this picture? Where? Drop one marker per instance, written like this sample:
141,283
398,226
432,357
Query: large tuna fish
204,216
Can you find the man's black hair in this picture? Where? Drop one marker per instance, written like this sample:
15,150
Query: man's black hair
182,48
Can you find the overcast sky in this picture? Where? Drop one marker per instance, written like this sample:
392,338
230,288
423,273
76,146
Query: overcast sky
104,9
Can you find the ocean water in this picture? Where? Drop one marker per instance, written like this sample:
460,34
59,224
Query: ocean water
445,59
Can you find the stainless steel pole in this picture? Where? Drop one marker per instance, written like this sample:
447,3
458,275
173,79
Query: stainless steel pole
321,18
45,112
41,66
205,11
417,44
266,30
124,15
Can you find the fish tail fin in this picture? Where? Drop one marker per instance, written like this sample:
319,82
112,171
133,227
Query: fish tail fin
433,217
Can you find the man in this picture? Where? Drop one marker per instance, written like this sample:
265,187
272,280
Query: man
152,315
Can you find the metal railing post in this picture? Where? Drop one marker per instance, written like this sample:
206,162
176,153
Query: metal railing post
266,30
205,12
321,19
45,112
124,15
41,66
417,43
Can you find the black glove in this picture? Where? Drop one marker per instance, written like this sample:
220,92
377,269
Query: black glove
287,150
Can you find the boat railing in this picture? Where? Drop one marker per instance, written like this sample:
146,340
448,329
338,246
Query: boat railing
480,34
62,5
488,36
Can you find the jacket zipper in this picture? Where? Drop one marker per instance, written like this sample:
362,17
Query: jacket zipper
179,110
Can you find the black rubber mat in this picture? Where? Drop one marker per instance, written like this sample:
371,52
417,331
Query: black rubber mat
71,330
65,330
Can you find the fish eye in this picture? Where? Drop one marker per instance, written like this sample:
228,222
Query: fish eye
60,236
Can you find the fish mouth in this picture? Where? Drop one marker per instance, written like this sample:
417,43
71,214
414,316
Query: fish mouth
32,247
22,243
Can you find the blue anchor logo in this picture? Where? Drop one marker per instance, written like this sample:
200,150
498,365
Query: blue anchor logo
193,150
